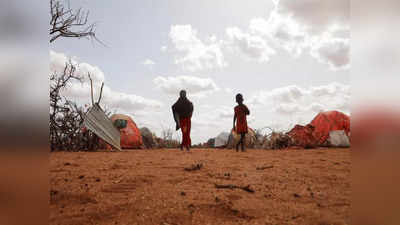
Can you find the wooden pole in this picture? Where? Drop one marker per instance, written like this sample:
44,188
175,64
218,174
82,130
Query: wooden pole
101,92
91,88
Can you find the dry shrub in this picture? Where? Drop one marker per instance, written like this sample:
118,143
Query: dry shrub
277,140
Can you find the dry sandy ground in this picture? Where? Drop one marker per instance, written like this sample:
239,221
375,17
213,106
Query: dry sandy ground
152,187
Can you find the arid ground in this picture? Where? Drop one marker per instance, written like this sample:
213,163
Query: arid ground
153,187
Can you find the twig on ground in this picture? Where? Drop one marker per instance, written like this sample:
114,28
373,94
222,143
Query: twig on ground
231,186
264,167
194,167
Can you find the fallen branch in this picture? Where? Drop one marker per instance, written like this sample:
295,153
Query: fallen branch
194,167
264,167
231,186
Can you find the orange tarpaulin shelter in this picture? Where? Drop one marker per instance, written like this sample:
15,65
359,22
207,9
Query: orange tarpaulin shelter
316,133
303,136
130,133
328,121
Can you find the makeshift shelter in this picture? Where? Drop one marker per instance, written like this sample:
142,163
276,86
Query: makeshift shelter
234,138
326,122
317,132
130,134
148,138
211,142
221,140
98,122
338,138
303,136
276,140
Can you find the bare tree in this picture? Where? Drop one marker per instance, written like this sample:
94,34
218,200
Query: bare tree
66,117
66,22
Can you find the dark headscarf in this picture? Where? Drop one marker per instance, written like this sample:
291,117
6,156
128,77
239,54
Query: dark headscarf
183,107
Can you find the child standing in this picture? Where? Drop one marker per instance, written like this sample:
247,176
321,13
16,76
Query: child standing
241,111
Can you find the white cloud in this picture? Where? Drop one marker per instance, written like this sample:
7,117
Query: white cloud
164,48
224,112
334,52
196,54
281,32
316,15
80,91
148,62
253,46
321,27
294,99
59,60
195,86
228,90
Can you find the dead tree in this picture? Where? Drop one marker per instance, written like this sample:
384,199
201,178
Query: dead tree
66,117
66,22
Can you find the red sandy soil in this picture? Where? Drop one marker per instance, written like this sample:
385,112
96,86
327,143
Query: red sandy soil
152,187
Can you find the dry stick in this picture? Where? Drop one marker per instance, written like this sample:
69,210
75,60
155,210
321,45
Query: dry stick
91,88
264,167
101,92
194,167
231,186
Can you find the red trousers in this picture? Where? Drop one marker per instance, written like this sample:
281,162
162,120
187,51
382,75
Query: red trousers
185,128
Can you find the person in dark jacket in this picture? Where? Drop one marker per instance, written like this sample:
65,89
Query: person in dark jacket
182,111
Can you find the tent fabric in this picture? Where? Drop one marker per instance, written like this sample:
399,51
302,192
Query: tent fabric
317,132
131,137
98,122
338,138
328,121
234,138
148,138
221,140
303,136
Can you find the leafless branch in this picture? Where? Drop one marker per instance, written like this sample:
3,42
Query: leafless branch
66,117
66,22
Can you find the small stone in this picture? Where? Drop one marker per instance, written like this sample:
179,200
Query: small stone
98,180
183,193
296,195
67,164
81,176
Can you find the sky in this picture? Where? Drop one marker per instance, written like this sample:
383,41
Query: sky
289,59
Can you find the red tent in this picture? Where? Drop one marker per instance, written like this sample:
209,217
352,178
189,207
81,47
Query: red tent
130,134
303,136
317,132
328,121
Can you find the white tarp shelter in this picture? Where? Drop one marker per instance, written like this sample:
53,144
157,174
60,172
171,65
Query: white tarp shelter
338,138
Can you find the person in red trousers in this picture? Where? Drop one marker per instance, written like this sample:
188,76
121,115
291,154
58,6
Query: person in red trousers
182,111
241,111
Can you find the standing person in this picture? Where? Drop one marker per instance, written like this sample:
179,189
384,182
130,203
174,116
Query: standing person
182,111
241,111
